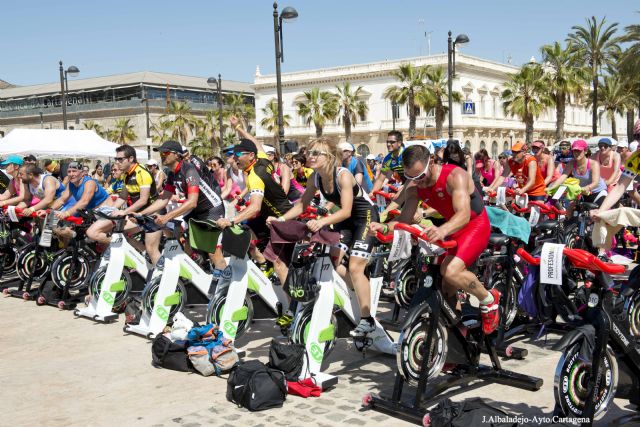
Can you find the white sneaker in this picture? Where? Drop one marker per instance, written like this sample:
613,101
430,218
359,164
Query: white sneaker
362,329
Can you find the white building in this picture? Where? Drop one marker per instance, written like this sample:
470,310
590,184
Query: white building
484,124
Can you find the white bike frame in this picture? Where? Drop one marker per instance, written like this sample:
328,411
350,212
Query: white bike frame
177,265
245,276
121,255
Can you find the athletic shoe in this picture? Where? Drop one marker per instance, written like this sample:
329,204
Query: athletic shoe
363,328
490,314
284,321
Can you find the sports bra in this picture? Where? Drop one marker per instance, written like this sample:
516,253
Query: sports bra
362,204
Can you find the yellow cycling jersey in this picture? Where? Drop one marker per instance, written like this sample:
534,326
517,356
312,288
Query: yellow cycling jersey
136,178
632,165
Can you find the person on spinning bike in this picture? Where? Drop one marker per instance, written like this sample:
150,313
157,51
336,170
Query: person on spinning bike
355,214
85,190
42,185
266,198
392,162
17,192
184,178
524,168
139,192
450,190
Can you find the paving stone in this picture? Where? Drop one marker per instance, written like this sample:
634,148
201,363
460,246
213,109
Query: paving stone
355,421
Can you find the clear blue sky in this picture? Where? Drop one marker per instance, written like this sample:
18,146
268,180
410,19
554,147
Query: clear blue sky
203,38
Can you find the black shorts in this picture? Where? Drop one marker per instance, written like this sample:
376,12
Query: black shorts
354,235
212,214
259,227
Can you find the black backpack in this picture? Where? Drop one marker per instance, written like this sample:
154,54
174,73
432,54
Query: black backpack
288,358
256,387
170,355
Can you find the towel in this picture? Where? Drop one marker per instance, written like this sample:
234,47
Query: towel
509,224
610,223
573,189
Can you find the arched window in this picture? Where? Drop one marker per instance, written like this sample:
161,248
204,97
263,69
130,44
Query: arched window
505,146
482,145
363,150
467,145
494,149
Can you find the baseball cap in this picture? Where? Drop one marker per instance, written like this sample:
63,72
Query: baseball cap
170,146
12,159
579,144
623,144
538,143
152,162
371,157
245,145
74,165
506,153
268,149
605,141
346,146
518,146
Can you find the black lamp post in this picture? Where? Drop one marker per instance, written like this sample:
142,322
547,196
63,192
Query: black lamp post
451,71
64,88
211,81
288,13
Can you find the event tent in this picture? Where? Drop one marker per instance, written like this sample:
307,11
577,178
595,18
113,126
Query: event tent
60,144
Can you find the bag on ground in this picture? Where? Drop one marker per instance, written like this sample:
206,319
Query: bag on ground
170,355
287,357
257,387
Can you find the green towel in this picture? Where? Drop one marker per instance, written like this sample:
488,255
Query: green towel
509,224
573,190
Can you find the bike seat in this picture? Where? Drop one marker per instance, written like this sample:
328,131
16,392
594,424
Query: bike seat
548,225
586,206
498,239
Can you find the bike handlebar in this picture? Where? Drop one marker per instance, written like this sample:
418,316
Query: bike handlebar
580,259
415,232
387,196
19,212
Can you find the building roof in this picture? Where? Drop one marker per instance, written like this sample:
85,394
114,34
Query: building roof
149,78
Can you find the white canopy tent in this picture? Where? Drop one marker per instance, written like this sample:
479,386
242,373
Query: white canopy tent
60,144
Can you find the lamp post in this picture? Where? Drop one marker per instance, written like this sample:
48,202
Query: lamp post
451,71
288,14
211,81
64,88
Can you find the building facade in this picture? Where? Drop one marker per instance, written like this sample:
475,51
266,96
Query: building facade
106,99
478,121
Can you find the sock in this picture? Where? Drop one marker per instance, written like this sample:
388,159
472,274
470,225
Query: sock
369,319
488,300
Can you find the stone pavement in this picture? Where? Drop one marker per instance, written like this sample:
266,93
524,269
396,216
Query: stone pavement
57,370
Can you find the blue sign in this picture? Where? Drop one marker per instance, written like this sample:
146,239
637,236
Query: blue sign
469,107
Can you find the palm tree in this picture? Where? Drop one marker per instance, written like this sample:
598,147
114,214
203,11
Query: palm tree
270,120
318,107
200,145
235,105
434,93
411,79
181,119
615,98
526,96
350,106
597,46
161,131
629,67
96,127
564,76
229,138
123,132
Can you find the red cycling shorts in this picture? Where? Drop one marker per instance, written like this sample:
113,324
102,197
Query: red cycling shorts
472,239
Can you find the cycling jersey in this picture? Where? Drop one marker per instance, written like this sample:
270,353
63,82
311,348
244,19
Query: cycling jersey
99,195
392,163
186,180
520,172
137,178
632,165
260,181
115,185
301,178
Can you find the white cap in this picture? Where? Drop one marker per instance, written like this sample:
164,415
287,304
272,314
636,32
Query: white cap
152,162
346,146
633,146
371,157
268,149
623,144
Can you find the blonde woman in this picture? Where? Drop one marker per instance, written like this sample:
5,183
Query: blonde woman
356,212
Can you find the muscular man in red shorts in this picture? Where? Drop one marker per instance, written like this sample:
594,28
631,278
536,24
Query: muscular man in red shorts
450,191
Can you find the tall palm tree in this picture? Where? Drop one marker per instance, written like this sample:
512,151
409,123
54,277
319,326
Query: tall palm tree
96,127
200,145
318,108
123,132
161,131
629,67
597,46
434,94
235,105
526,96
270,120
564,76
351,107
411,80
181,119
615,98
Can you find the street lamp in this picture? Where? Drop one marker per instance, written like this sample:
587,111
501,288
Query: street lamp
451,71
288,14
211,81
64,88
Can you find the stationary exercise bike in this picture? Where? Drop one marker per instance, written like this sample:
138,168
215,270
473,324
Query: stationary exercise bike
113,281
327,306
241,286
589,376
434,334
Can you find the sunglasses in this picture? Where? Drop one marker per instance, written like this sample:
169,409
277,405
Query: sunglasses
316,153
535,148
601,146
391,142
240,153
121,159
419,177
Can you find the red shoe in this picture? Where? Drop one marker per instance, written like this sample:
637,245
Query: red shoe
490,314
